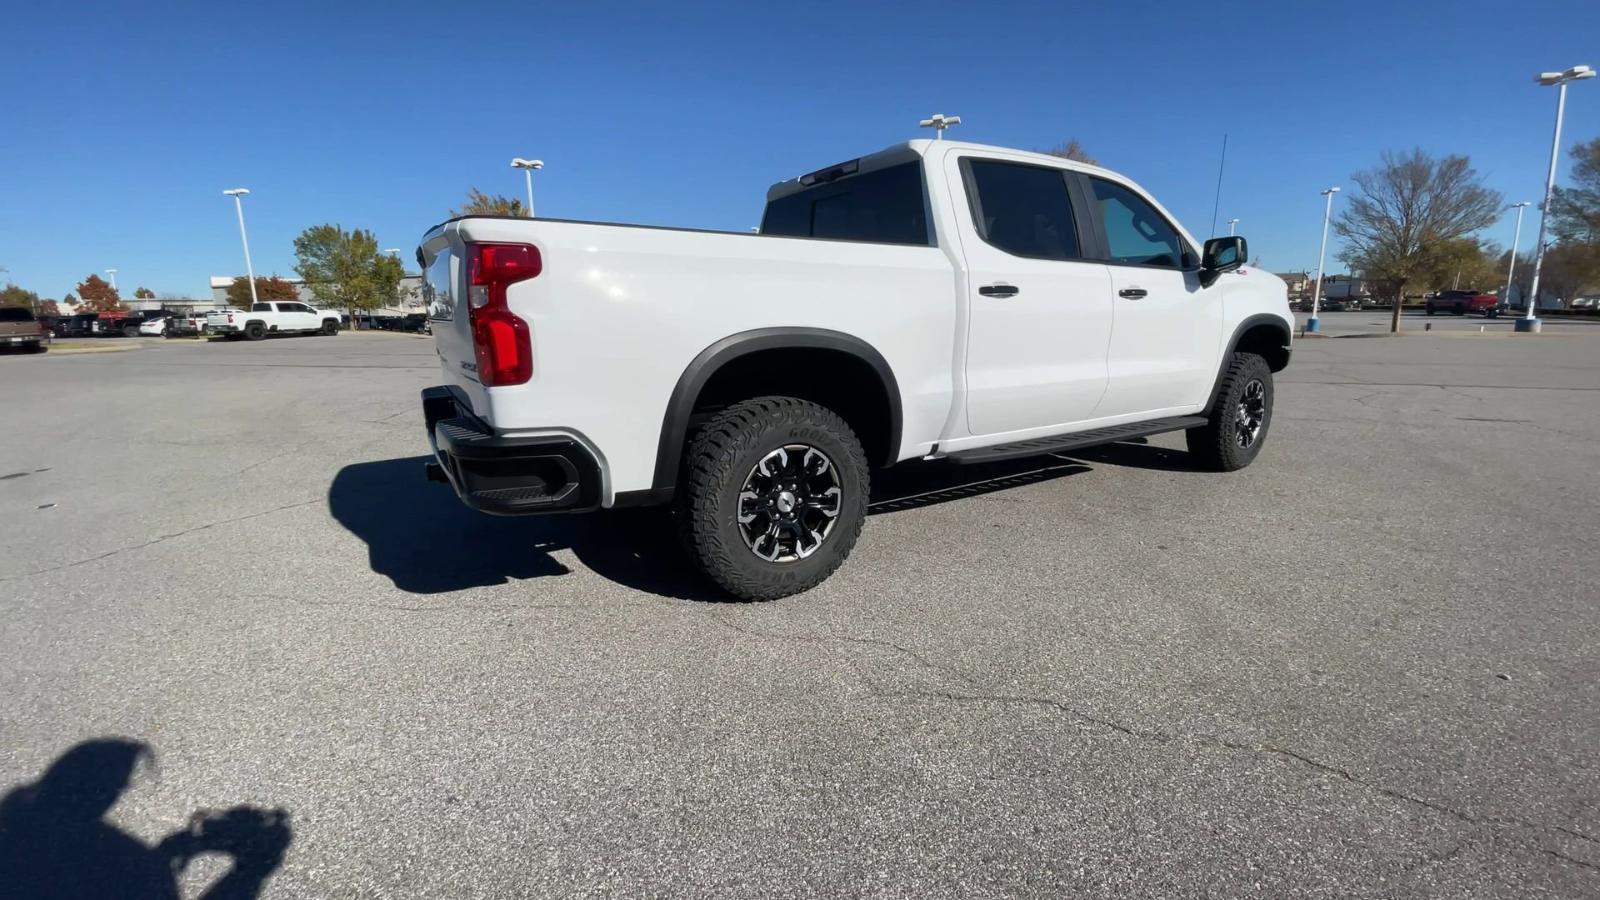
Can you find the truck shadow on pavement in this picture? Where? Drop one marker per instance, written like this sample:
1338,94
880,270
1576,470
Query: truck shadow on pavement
424,540
55,841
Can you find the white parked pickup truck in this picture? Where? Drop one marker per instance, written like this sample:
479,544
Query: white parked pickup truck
276,317
935,300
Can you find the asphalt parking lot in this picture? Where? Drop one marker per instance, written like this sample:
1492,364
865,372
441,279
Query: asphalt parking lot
1367,666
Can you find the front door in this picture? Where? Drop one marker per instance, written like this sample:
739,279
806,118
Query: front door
1040,314
1168,329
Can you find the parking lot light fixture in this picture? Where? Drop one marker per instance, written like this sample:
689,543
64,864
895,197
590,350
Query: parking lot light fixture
249,270
939,122
1313,324
1232,225
1516,238
527,166
113,274
1530,322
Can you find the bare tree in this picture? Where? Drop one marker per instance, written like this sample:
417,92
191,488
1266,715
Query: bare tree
1408,211
1072,150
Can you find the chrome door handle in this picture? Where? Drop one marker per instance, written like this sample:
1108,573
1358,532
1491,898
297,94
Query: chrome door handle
1133,293
999,289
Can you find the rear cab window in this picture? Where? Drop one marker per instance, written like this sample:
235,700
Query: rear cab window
883,206
16,314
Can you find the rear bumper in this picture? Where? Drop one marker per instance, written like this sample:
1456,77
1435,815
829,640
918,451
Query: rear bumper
507,476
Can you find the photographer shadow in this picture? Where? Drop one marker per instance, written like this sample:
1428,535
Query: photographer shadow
55,841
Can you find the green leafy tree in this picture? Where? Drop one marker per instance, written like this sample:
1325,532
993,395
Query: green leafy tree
143,293
1465,263
481,204
1406,213
98,296
69,300
273,288
1074,151
345,270
11,295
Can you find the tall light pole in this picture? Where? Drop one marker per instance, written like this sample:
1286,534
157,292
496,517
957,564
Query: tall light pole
527,166
1232,224
1516,238
1530,322
113,274
939,122
1313,324
249,270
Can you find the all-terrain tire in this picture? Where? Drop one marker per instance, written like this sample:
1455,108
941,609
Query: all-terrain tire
255,331
1233,436
330,327
720,459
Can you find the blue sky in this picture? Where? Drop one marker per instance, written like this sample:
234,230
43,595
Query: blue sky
124,122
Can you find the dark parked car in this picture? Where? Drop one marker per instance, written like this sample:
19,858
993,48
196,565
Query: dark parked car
80,325
1463,302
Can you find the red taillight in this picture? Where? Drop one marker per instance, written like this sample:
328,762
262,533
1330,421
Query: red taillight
501,340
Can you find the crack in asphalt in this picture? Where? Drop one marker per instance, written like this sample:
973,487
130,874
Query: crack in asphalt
1162,737
843,639
1562,856
158,539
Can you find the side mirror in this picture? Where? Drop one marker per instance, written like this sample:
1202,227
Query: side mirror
1222,254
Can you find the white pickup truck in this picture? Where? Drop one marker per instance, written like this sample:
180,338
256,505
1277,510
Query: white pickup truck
935,300
276,317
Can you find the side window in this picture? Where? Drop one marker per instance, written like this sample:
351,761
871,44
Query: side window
1023,210
1135,232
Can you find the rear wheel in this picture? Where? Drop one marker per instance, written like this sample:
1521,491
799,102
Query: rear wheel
1239,419
1461,309
255,331
775,496
130,331
1430,309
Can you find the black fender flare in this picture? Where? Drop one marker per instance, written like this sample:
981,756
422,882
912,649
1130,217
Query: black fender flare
1233,342
675,423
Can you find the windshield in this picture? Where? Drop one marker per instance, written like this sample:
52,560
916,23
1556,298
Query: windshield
15,314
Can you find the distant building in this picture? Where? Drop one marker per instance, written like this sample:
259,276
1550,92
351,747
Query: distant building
1298,282
1346,287
410,294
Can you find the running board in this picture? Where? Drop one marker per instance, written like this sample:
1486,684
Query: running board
1077,440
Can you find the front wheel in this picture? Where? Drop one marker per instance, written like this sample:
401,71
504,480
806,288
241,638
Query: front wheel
1430,310
1239,419
330,327
774,497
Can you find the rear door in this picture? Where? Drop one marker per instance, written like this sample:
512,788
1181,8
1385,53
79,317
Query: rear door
1167,328
1040,314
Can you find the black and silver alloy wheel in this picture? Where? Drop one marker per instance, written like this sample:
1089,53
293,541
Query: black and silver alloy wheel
774,496
789,503
1252,413
1240,417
